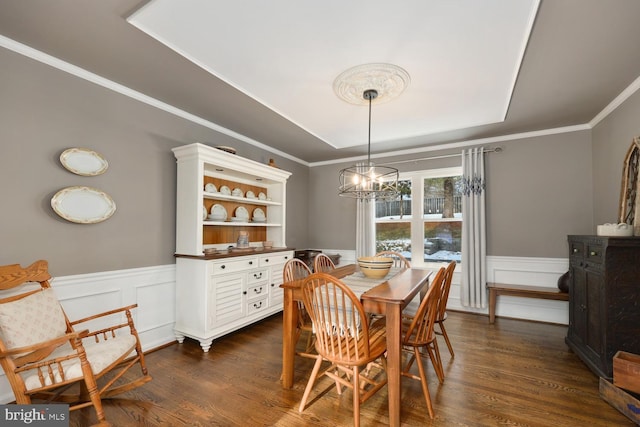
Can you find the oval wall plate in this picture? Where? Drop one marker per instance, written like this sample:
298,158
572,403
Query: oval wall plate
83,161
83,205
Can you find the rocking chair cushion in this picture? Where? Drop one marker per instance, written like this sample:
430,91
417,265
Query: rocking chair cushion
35,318
100,356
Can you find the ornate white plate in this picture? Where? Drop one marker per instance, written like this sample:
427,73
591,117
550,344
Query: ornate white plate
204,212
258,214
218,213
210,188
242,212
262,196
83,161
250,195
225,190
83,205
237,192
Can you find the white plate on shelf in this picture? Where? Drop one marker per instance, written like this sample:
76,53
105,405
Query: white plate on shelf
204,212
83,205
250,195
237,192
210,188
218,211
259,219
242,212
83,161
262,196
225,190
258,214
238,219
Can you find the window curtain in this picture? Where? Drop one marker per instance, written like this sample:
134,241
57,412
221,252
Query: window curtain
365,224
474,275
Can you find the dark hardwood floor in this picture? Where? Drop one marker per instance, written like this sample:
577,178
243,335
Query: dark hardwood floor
514,373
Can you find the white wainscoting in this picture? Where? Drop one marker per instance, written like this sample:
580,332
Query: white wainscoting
152,288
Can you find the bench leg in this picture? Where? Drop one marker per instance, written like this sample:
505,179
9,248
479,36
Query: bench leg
492,305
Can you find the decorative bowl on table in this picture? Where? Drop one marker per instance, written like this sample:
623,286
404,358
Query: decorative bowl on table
375,267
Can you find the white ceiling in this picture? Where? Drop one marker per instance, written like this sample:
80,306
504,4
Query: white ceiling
463,58
581,58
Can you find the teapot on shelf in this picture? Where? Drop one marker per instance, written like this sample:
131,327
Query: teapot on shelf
243,239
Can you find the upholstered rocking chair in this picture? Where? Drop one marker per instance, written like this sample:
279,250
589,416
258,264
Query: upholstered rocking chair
44,354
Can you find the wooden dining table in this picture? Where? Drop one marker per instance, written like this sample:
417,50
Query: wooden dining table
388,298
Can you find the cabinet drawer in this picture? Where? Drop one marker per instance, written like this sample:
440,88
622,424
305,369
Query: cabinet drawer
257,305
256,276
234,264
257,291
594,252
275,258
577,249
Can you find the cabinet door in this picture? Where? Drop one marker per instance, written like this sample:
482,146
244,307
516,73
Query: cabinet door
276,293
595,327
227,301
578,304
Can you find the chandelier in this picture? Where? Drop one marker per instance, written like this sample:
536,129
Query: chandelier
368,181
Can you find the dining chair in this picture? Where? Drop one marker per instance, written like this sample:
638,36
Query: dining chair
442,305
418,333
323,264
398,259
296,269
344,338
43,353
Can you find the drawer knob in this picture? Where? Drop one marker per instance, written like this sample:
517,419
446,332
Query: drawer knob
575,250
257,275
258,305
250,262
244,292
266,260
222,266
286,257
257,290
593,253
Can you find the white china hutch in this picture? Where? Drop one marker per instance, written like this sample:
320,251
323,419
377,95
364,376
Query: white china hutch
221,287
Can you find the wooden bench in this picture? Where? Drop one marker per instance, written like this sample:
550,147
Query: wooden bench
523,291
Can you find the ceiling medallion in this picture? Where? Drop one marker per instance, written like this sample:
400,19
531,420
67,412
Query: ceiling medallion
387,79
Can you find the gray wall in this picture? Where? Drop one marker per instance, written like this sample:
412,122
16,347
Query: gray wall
539,190
612,138
43,111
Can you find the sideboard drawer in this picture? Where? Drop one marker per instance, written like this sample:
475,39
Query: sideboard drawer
234,264
275,258
257,305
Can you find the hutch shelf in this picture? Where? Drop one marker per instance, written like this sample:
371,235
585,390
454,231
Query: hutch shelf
234,287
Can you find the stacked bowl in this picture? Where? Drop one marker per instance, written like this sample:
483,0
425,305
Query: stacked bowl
375,267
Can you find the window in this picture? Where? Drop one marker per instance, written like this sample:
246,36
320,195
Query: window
434,235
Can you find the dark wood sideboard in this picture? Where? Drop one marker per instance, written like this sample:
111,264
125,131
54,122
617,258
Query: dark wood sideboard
604,299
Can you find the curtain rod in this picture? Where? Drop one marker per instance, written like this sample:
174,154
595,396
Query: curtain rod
444,156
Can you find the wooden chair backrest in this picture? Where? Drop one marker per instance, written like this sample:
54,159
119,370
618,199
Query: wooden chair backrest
323,264
421,329
398,259
295,269
446,286
13,275
339,320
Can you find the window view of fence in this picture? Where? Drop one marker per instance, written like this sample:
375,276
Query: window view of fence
439,225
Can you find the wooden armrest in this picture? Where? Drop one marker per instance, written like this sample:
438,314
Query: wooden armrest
39,351
106,313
